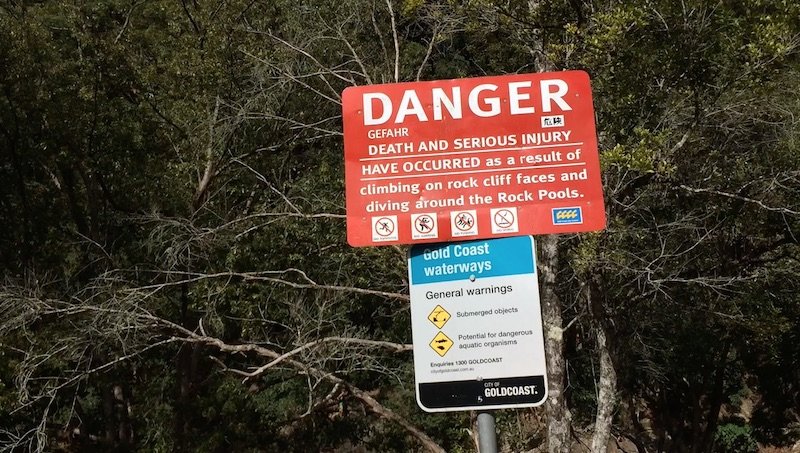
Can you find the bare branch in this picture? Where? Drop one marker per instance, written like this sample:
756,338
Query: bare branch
324,68
368,400
208,174
265,277
127,21
372,343
83,374
334,97
759,203
263,179
427,53
396,42
357,59
299,125
379,35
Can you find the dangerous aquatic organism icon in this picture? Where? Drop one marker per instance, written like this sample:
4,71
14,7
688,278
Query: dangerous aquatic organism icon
441,343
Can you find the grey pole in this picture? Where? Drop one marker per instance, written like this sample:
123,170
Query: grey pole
487,438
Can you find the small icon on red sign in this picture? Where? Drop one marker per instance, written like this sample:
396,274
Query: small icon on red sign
463,223
424,226
553,121
504,220
384,228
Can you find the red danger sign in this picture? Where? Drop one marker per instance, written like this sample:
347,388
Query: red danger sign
517,153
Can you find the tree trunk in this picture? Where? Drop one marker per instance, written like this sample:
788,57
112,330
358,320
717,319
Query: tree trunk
700,397
607,385
717,398
558,416
110,434
606,395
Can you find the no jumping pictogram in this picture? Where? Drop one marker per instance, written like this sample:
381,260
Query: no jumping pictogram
464,221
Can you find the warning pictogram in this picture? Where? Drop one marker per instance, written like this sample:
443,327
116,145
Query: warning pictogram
384,228
439,316
463,223
504,220
441,343
424,226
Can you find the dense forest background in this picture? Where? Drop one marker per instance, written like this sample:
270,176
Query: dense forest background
175,270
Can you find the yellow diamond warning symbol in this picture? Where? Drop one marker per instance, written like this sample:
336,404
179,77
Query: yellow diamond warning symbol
441,344
439,316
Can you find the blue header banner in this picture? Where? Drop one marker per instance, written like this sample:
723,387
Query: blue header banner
434,263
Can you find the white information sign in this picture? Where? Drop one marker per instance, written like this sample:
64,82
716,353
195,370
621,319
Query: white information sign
477,325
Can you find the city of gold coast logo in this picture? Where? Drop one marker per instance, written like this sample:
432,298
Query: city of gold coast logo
567,216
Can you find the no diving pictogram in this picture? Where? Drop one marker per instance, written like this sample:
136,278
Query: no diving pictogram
464,221
384,226
424,224
504,218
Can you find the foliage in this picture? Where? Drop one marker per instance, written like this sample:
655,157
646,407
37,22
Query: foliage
733,438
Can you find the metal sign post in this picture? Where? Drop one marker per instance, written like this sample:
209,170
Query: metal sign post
487,436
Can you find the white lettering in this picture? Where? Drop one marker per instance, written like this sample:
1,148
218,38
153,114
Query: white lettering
410,105
514,96
548,98
452,104
382,133
369,119
493,103
471,250
484,101
510,391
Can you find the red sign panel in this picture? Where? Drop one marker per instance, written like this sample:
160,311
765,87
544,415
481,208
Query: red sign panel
471,158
